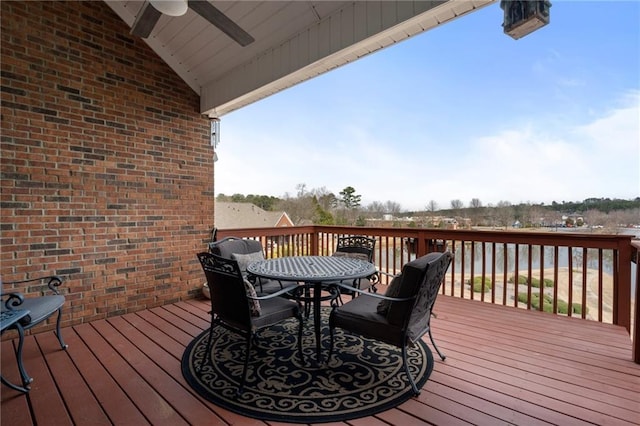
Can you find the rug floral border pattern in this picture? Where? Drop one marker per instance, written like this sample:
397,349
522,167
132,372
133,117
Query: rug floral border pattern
362,378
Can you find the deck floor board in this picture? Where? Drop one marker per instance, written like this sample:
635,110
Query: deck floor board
504,366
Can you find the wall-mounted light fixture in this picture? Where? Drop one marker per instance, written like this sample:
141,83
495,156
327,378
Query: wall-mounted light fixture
215,136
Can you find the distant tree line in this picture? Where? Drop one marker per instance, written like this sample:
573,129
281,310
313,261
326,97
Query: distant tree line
321,206
605,205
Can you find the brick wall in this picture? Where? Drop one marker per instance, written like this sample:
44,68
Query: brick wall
107,172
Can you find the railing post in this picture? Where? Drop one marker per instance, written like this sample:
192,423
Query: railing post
421,248
315,242
622,288
635,345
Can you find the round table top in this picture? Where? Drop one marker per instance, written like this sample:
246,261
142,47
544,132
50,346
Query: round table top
311,268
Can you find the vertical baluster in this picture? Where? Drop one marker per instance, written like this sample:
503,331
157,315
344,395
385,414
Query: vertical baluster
530,279
484,270
453,268
585,283
542,287
505,272
516,272
570,265
472,261
600,290
555,278
463,249
386,255
493,272
393,252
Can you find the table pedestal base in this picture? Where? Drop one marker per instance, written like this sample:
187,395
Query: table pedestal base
310,294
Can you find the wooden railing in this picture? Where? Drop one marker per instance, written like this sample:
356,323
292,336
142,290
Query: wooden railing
590,276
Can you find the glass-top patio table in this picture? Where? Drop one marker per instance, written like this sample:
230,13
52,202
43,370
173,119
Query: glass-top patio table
316,273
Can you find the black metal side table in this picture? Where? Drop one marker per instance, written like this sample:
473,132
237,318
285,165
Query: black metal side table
10,319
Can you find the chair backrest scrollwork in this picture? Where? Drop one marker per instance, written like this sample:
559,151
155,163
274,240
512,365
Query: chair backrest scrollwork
356,244
226,285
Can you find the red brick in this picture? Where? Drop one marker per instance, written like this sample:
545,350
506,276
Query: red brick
86,186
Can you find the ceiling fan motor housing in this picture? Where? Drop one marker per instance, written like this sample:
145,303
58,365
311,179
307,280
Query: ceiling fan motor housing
170,7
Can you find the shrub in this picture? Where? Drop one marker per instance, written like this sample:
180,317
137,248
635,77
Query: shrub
563,306
521,279
577,309
535,282
477,284
535,302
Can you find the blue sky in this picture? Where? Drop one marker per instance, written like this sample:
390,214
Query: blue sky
459,112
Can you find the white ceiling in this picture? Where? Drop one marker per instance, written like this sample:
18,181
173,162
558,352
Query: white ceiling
294,41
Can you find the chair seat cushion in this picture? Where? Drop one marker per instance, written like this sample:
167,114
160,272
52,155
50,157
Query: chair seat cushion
40,309
264,286
275,310
360,316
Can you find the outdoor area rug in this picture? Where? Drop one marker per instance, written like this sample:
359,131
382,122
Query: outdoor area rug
363,377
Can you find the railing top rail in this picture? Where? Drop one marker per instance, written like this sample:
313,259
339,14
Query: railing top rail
551,238
268,232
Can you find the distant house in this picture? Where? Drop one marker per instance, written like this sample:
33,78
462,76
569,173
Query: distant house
450,223
247,215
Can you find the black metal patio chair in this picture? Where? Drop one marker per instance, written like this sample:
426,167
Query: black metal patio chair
402,316
40,307
245,251
29,312
357,247
236,307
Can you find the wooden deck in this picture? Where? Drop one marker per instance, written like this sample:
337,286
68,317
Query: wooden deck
503,366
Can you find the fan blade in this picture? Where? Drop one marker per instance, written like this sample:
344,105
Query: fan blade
220,20
145,21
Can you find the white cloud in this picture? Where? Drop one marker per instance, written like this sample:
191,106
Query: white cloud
598,159
536,162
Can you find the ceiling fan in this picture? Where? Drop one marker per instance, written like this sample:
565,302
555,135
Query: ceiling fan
152,10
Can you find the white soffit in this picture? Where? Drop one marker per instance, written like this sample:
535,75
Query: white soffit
355,30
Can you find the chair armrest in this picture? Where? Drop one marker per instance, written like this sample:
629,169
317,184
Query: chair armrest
376,295
13,301
388,274
253,279
53,282
277,293
375,278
